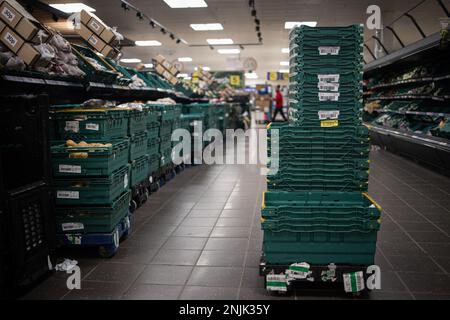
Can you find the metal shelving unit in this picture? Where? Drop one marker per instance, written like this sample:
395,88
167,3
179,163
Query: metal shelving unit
430,150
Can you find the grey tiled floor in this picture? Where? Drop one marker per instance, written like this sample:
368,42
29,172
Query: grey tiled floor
199,238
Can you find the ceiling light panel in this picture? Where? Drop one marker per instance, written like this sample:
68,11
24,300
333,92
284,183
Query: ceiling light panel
206,26
147,43
229,51
72,7
185,59
219,41
292,24
177,4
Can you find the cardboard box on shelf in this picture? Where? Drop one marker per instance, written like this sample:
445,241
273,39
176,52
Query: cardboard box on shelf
160,69
11,39
2,25
9,14
173,81
160,59
166,74
97,43
108,36
166,64
84,31
28,54
27,29
174,70
108,51
92,22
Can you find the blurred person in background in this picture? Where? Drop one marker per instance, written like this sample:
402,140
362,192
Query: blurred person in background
278,104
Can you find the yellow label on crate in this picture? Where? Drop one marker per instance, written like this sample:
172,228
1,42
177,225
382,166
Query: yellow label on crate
329,123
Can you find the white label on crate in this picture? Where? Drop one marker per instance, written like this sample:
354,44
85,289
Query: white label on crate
298,271
324,51
328,77
329,96
125,181
8,14
74,239
276,282
93,40
95,26
354,282
333,114
68,194
328,86
92,126
65,168
10,39
72,226
72,126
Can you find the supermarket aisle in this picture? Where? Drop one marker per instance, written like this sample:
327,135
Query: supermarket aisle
199,238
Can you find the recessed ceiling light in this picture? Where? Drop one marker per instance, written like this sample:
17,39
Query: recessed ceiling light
206,26
147,43
186,3
229,51
185,59
284,63
206,68
219,41
291,24
285,50
148,65
283,71
132,60
251,75
71,7
182,75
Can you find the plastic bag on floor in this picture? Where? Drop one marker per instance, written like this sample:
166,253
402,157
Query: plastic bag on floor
66,265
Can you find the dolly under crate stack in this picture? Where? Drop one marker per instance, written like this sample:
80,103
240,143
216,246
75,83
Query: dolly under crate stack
319,222
92,174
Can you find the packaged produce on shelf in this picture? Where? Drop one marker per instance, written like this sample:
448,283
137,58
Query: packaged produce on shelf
162,101
98,103
137,83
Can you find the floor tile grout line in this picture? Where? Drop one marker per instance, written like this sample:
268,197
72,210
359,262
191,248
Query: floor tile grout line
203,247
404,284
415,210
255,206
156,253
412,188
385,257
415,242
435,174
397,166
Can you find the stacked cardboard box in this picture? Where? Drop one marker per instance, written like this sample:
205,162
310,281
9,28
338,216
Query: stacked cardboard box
97,34
166,69
20,31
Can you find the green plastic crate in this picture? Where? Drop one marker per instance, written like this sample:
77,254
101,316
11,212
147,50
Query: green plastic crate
291,185
153,146
138,145
138,121
100,161
153,132
92,219
139,170
320,248
327,206
95,190
166,128
109,75
101,124
154,163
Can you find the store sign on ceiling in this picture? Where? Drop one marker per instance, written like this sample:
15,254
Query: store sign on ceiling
277,76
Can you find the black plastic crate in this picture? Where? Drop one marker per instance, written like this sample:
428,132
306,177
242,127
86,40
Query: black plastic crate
24,156
30,229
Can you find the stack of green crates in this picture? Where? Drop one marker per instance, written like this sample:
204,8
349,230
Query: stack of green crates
153,142
139,158
317,209
91,183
